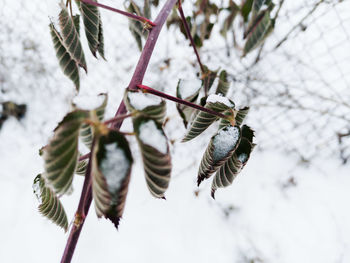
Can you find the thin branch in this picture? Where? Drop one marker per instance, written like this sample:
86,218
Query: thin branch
298,24
118,118
86,197
188,33
189,104
130,15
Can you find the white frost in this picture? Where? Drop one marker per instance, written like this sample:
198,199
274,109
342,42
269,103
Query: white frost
225,141
213,98
188,88
141,100
88,102
114,167
152,136
242,157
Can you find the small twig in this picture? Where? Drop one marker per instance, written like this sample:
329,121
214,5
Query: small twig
188,33
118,118
132,16
298,24
189,104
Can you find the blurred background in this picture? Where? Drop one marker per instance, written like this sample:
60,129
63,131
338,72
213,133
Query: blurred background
290,203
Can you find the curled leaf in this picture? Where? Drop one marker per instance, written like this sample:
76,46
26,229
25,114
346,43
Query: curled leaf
67,64
223,84
144,104
241,114
155,155
220,148
61,154
86,132
203,120
111,169
93,27
50,206
188,91
81,167
71,38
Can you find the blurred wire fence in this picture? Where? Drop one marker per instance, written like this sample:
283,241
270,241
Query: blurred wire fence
297,84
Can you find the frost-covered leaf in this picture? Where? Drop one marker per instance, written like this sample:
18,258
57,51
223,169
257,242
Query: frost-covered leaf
50,206
203,120
220,148
155,155
61,154
67,64
71,38
86,132
111,168
93,27
223,84
144,104
187,90
241,114
233,166
260,30
81,167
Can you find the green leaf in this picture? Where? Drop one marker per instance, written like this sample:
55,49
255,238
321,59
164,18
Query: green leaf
86,131
71,38
220,148
81,167
223,84
111,169
260,30
187,90
155,155
135,27
67,64
246,9
76,21
203,119
93,27
50,206
241,114
257,4
61,154
146,105
233,166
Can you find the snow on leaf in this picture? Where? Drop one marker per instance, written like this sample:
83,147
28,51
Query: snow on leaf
146,105
155,154
220,148
71,38
61,154
203,119
67,64
50,206
93,27
86,131
233,166
111,169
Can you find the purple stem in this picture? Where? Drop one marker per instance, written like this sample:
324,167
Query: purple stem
188,33
86,196
189,104
130,15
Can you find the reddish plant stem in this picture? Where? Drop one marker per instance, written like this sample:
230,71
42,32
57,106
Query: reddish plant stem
188,33
130,15
118,118
189,104
86,197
